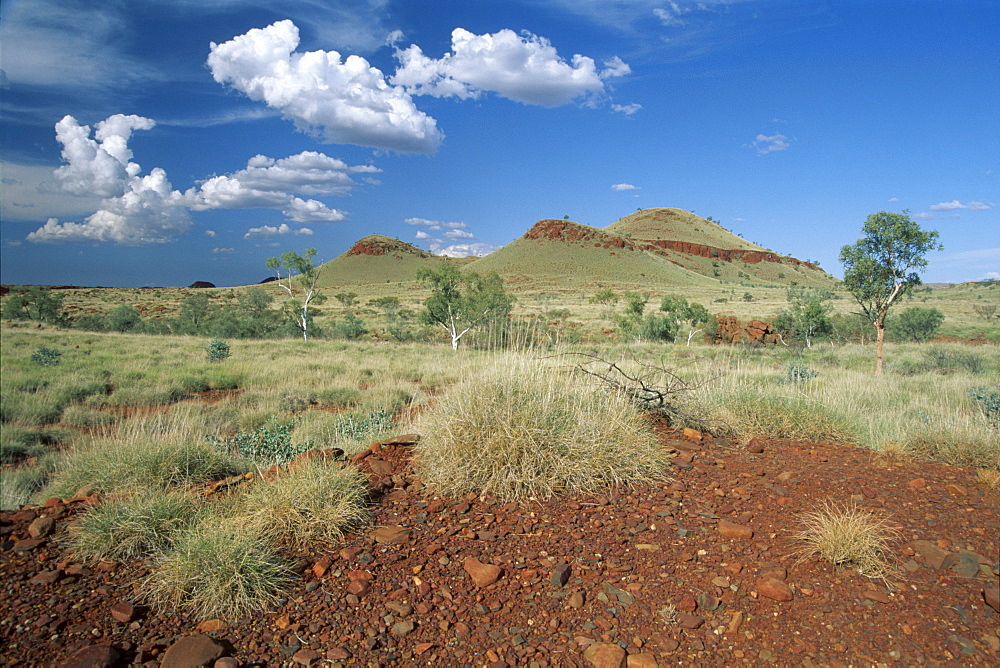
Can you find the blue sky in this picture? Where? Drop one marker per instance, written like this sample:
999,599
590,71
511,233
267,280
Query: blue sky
159,143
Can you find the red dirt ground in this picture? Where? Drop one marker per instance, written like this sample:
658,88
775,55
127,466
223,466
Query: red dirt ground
580,577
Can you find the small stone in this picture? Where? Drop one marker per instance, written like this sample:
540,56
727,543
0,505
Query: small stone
721,583
934,556
623,597
755,446
400,609
283,622
420,648
604,655
46,578
123,612
92,656
391,535
338,654
991,594
693,434
482,574
41,527
576,599
320,568
955,490
226,662
211,626
560,574
402,629
358,588
774,589
917,483
306,657
966,565
688,621
687,604
192,651
735,622
644,660
708,601
732,530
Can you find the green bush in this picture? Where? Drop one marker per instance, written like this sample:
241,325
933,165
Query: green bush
217,350
271,443
46,356
989,403
797,372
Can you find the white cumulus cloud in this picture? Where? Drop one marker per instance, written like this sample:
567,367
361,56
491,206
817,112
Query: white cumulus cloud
524,68
624,186
464,250
627,109
343,101
267,231
955,204
455,235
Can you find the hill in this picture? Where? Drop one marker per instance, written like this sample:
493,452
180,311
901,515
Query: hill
573,255
377,259
705,247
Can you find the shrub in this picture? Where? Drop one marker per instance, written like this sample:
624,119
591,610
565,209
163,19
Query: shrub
353,427
315,503
847,536
915,324
339,396
132,527
521,431
217,568
749,413
988,402
271,443
797,372
217,350
46,356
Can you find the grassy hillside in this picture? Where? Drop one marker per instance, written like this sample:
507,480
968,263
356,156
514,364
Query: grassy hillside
570,255
377,259
677,225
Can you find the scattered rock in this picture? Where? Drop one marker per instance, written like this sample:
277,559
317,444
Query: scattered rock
643,660
402,629
576,599
774,589
686,620
92,656
41,527
192,652
560,574
604,655
991,594
306,657
123,612
732,530
211,626
482,574
391,535
755,446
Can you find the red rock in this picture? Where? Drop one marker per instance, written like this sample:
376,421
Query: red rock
774,589
192,652
358,574
53,503
576,599
41,527
644,660
402,439
604,655
390,535
955,490
991,594
358,588
560,574
733,530
92,656
917,483
338,654
422,647
123,612
687,604
226,662
402,629
306,657
693,434
688,621
755,446
482,574
211,626
47,577
320,568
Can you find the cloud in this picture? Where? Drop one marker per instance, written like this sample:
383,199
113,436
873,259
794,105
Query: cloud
267,231
524,68
893,199
955,204
627,109
454,235
225,251
465,250
146,209
624,186
990,276
767,144
210,233
346,102
671,14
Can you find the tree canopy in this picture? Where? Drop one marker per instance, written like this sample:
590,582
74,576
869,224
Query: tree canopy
883,266
460,301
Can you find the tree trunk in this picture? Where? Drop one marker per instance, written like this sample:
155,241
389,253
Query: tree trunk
880,341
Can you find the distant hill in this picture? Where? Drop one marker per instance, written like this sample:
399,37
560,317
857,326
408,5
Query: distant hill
377,259
649,248
570,254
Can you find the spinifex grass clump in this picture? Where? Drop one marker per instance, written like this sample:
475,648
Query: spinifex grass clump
316,502
133,527
846,535
522,430
217,568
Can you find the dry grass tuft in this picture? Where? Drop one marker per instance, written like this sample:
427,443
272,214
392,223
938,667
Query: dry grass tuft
315,503
990,477
846,535
521,430
217,569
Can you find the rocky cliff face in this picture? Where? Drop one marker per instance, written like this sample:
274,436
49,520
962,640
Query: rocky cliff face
378,245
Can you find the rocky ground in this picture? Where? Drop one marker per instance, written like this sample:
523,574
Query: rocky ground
698,571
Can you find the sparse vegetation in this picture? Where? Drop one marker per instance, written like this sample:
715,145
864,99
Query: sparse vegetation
846,535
